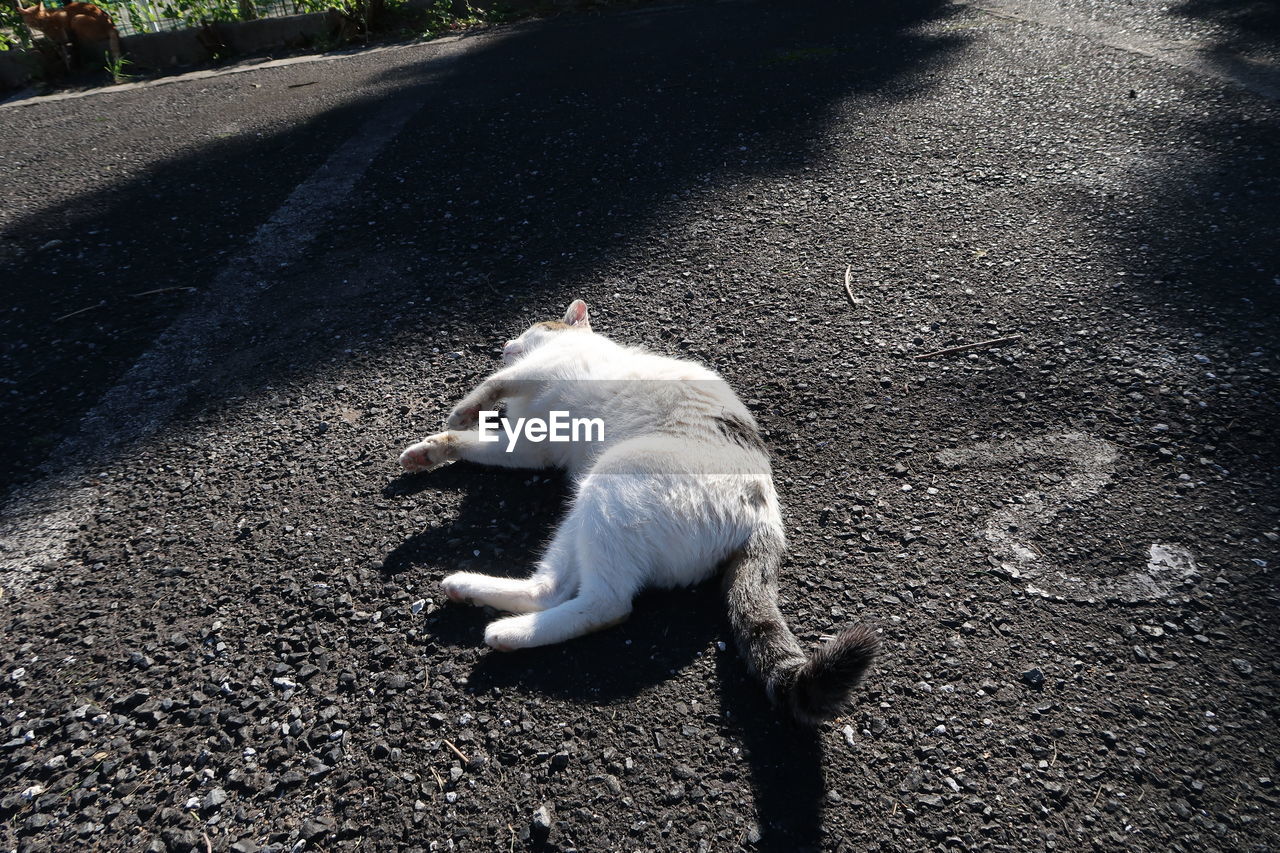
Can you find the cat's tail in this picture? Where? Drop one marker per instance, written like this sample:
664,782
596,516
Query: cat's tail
813,687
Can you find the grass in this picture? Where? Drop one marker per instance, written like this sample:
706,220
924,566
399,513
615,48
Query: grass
116,66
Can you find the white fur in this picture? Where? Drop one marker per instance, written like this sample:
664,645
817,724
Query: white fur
659,503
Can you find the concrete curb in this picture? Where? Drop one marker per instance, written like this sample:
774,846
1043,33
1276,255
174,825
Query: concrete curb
21,100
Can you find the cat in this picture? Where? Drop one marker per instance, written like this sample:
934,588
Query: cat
678,485
74,28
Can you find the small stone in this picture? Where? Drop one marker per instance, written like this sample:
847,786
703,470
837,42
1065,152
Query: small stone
1033,678
214,799
560,760
132,701
244,845
315,827
1242,666
541,823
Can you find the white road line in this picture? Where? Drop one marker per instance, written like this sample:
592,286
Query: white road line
38,523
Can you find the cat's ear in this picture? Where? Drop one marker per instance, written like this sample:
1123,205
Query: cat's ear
576,315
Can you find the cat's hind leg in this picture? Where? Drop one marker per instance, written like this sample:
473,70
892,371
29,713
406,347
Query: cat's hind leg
596,606
514,595
555,579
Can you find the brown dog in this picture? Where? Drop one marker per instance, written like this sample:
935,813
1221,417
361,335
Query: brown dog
74,28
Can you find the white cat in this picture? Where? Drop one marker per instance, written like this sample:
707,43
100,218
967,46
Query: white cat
679,486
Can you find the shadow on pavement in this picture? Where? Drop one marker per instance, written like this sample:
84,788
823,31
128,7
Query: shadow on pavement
1245,24
665,633
534,161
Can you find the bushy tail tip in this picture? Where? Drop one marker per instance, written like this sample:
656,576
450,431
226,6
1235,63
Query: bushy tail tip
823,684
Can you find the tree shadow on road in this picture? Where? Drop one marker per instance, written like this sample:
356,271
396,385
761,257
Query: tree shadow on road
554,159
1194,230
548,159
1244,24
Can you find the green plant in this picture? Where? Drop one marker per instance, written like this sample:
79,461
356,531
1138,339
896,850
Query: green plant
13,32
115,66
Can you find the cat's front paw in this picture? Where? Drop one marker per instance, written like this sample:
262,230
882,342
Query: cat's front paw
459,587
463,418
430,453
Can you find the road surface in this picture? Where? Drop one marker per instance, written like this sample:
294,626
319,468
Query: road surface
233,298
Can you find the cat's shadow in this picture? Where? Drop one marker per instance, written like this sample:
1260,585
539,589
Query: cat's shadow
665,634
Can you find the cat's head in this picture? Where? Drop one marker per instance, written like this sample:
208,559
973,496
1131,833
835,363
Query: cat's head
575,320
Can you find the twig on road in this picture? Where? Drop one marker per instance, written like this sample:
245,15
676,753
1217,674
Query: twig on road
457,752
81,311
103,303
439,781
994,342
161,290
848,271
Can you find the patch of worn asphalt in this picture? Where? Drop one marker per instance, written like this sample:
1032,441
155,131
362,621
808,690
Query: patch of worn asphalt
1067,542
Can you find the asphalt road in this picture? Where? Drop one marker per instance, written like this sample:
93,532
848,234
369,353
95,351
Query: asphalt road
233,299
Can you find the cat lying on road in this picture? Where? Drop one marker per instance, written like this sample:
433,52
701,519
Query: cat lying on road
678,484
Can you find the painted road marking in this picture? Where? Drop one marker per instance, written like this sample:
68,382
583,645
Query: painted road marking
1090,465
38,523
